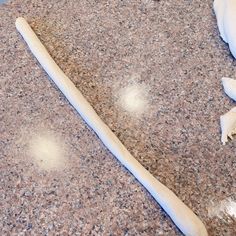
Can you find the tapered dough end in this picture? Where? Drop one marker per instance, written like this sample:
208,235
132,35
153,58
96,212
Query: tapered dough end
224,79
19,21
201,231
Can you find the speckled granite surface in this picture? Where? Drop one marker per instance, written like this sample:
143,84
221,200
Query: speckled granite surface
152,70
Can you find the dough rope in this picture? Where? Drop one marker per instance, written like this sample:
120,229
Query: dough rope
182,216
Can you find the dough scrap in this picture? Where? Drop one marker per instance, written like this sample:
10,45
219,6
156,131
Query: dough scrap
225,11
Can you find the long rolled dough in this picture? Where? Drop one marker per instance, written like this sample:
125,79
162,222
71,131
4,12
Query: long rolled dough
182,216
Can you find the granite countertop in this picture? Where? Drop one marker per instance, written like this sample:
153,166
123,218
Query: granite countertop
152,70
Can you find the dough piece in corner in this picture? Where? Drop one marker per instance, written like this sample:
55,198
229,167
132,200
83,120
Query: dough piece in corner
229,87
219,8
225,11
228,125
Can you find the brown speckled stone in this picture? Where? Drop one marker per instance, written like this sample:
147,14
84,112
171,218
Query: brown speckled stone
173,49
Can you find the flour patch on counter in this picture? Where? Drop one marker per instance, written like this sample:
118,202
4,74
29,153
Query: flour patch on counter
134,98
47,151
226,207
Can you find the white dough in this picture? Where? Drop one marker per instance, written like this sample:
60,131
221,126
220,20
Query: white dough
228,125
225,11
229,87
228,121
219,8
182,216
